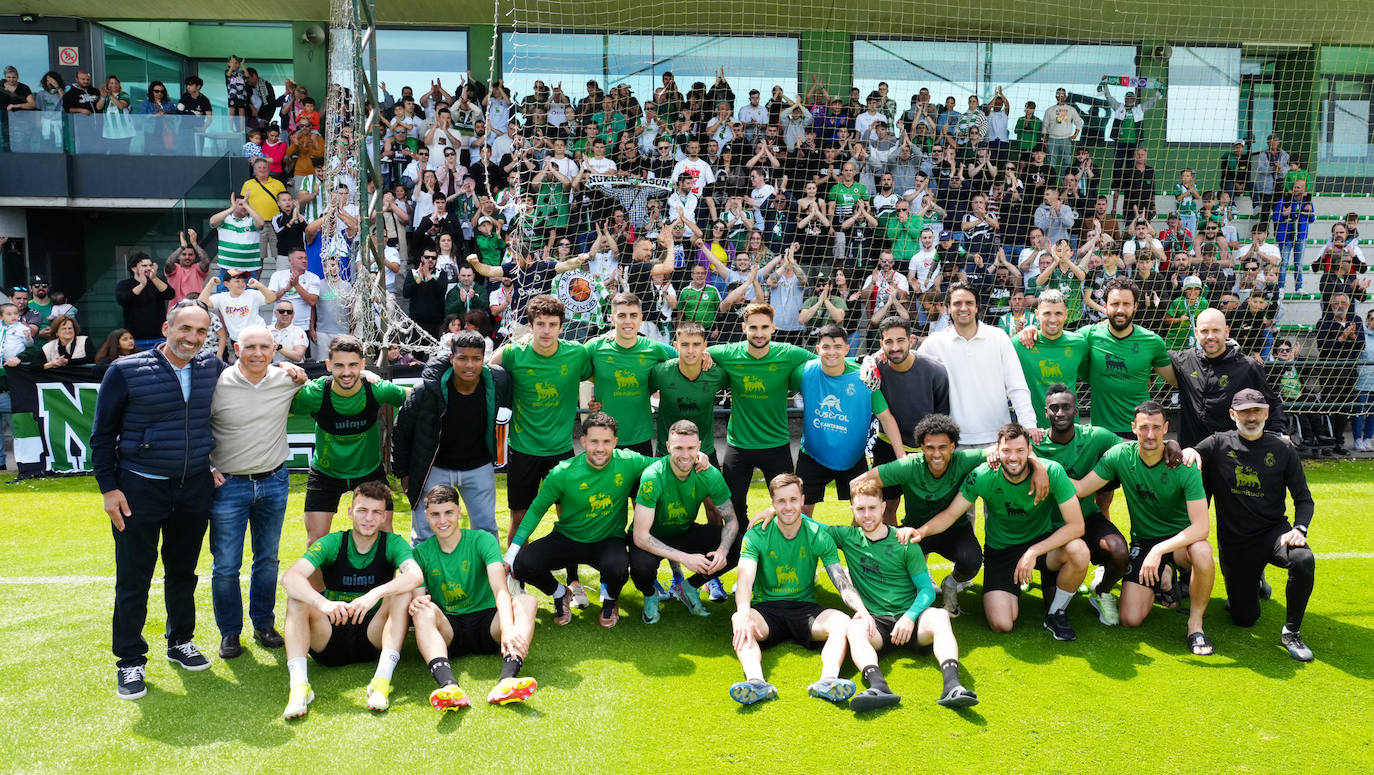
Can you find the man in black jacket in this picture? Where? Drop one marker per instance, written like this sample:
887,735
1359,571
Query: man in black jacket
451,431
1210,374
144,297
426,287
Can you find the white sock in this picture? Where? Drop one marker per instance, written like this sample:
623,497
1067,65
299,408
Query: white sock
1061,600
753,673
295,670
561,591
387,664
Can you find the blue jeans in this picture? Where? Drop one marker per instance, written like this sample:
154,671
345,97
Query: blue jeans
239,503
1290,254
476,488
1363,421
1060,150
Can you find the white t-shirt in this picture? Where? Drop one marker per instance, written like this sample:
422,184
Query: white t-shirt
600,166
289,338
701,173
1128,247
1267,250
239,312
279,284
922,265
755,113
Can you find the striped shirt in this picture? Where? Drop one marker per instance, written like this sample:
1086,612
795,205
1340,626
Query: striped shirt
239,246
310,183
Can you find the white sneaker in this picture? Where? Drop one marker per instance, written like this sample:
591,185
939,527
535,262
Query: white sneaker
1105,606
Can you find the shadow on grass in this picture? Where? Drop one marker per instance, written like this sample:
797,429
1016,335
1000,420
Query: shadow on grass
172,719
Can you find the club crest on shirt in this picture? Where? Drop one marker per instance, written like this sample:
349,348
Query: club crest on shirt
1269,459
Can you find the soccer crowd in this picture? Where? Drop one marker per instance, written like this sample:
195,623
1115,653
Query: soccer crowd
973,414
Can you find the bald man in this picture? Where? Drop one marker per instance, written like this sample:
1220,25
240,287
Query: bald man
1210,375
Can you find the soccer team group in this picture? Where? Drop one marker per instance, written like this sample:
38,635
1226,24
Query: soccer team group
946,439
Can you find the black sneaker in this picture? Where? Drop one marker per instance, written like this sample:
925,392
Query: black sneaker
229,647
269,638
129,683
1265,591
1296,648
187,656
1058,625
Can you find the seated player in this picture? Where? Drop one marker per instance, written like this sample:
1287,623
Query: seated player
591,492
361,613
1246,471
1020,534
465,606
775,598
1169,523
671,492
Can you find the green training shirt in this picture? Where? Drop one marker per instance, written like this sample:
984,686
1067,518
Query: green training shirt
545,396
1012,516
325,551
457,580
592,503
1156,496
758,390
883,571
787,567
927,494
621,375
356,454
1119,372
680,398
1084,450
1048,362
676,501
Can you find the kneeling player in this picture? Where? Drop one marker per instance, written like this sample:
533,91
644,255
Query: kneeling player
1020,534
465,606
361,613
777,568
671,492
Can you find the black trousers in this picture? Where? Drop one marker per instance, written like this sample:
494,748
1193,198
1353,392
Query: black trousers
1242,566
696,539
536,561
738,467
177,511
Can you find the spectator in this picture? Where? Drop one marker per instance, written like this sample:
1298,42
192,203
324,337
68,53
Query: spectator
240,247
1269,168
1062,125
1235,170
1260,251
298,285
252,149
1182,315
288,228
786,285
186,267
28,316
119,344
1295,172
426,288
466,294
262,102
307,149
1295,385
1138,188
1251,325
1130,118
1342,279
144,297
333,308
1101,220
116,128
1095,283
1340,244
192,103
262,190
15,339
1186,197
292,343
239,304
14,96
1364,390
1340,341
1063,275
1054,218
1293,215
159,132
81,97
66,346
42,307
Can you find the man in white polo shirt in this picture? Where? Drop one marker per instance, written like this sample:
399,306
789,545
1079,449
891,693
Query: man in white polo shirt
984,372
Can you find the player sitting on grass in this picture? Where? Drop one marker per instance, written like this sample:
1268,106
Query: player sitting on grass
1020,534
361,614
1169,524
671,492
465,606
777,568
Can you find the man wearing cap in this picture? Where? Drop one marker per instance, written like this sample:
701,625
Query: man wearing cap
1246,471
34,306
1210,374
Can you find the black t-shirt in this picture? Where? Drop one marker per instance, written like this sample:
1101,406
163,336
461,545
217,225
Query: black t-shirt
80,97
462,439
144,312
639,281
912,394
19,96
1249,482
199,105
289,237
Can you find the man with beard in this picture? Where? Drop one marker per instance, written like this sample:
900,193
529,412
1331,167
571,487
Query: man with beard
914,388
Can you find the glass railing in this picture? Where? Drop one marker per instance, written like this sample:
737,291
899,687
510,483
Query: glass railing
31,131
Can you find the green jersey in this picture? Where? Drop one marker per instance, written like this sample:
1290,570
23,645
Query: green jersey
787,566
1182,335
325,552
545,393
1071,286
699,306
621,375
676,501
346,455
1156,496
1012,515
885,573
457,581
592,502
1048,362
1088,445
1027,133
1119,371
925,493
758,388
846,196
680,398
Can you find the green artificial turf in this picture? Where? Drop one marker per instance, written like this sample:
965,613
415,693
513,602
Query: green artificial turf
653,699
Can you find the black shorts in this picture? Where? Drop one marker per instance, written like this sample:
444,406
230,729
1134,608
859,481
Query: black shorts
348,645
242,104
999,566
472,633
789,620
1141,547
524,473
645,448
882,453
815,477
322,491
885,624
1095,528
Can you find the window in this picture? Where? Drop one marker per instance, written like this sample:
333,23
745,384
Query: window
415,58
946,68
1204,95
29,54
137,64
